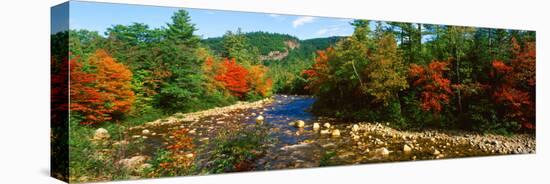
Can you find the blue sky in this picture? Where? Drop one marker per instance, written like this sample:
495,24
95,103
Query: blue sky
210,23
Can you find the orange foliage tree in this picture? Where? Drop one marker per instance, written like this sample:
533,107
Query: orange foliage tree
100,88
515,87
233,76
258,81
319,72
435,88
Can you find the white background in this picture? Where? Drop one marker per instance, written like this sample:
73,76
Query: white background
24,90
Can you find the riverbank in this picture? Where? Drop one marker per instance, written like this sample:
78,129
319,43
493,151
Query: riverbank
297,139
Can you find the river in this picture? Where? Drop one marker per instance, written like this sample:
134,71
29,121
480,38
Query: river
305,147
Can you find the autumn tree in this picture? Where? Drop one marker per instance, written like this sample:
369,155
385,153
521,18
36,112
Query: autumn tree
435,88
233,76
258,80
318,74
100,88
515,87
114,82
385,73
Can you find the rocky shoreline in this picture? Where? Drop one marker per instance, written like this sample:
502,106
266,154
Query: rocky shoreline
350,143
500,144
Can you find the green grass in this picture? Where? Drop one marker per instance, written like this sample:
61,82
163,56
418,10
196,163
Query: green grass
85,164
234,151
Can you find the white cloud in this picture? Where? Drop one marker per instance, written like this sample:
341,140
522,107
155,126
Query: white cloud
274,15
302,20
333,30
322,31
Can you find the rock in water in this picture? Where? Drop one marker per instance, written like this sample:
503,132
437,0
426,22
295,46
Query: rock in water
101,134
145,132
336,133
382,152
407,149
260,119
316,126
300,124
326,125
355,128
325,131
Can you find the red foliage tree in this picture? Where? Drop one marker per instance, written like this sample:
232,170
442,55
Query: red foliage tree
515,86
233,76
435,88
100,88
319,72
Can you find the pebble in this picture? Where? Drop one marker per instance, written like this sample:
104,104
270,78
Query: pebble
260,119
326,125
325,131
436,152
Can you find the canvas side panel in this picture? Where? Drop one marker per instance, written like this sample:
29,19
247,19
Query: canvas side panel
59,94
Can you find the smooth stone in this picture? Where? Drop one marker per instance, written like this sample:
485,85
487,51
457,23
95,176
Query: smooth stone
382,152
326,125
336,133
316,126
300,124
145,132
101,134
260,119
407,149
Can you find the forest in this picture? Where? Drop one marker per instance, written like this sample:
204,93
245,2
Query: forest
412,75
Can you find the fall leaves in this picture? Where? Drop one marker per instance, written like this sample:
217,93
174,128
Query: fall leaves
100,88
361,80
436,89
238,79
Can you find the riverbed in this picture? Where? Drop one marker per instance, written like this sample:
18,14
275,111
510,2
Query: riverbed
303,147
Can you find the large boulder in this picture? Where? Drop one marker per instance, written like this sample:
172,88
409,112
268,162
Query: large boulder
134,163
382,152
101,134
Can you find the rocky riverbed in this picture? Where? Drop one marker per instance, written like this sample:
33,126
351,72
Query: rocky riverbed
304,140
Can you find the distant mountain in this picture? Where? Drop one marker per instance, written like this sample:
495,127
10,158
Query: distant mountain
276,46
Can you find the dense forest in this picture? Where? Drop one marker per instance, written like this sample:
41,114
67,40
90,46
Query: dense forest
417,75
